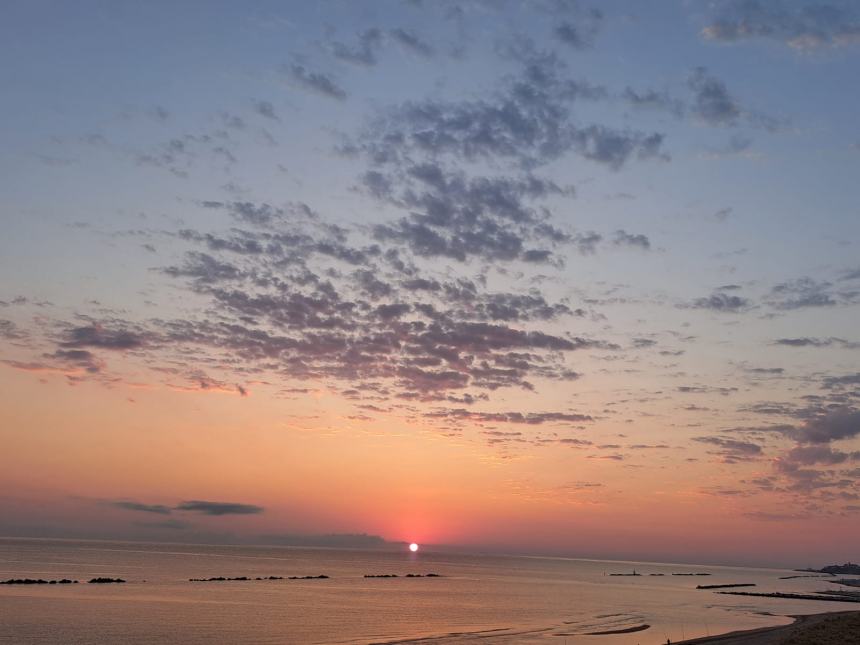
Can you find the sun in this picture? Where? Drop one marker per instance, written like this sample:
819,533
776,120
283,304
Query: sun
413,547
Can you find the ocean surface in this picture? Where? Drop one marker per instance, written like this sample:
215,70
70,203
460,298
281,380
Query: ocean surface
487,599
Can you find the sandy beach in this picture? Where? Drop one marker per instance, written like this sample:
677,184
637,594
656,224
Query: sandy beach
837,628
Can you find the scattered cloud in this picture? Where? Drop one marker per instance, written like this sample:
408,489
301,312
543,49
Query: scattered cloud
802,26
316,82
218,508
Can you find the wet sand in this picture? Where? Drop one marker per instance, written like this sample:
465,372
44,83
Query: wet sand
836,628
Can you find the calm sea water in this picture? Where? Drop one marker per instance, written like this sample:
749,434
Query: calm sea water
490,599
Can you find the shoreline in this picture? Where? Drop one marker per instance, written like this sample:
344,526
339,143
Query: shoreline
828,625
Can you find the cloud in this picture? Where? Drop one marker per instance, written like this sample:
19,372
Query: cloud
802,293
817,342
80,358
831,382
712,102
651,99
706,389
732,450
808,455
527,121
842,423
454,216
623,238
714,105
364,52
266,109
157,509
722,302
99,336
581,33
316,82
528,418
219,508
410,41
10,331
801,26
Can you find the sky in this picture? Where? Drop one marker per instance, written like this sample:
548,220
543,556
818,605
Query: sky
549,276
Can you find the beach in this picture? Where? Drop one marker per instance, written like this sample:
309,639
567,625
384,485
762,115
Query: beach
833,628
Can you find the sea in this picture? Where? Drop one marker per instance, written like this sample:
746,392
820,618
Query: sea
490,599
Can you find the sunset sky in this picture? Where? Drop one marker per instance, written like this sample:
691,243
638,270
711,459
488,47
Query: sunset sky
547,277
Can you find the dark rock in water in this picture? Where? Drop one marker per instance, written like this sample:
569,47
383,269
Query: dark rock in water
691,574
380,575
102,581
823,575
320,577
625,630
423,575
747,584
829,596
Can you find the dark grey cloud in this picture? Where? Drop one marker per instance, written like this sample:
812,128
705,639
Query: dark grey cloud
10,331
712,102
831,382
842,423
457,217
706,389
423,335
527,121
623,238
723,214
528,418
802,293
722,302
157,509
800,25
102,337
651,99
580,31
266,109
218,508
765,370
79,358
362,53
806,341
411,42
732,450
808,455
316,82
586,243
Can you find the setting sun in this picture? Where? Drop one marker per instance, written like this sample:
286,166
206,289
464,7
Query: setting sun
413,547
